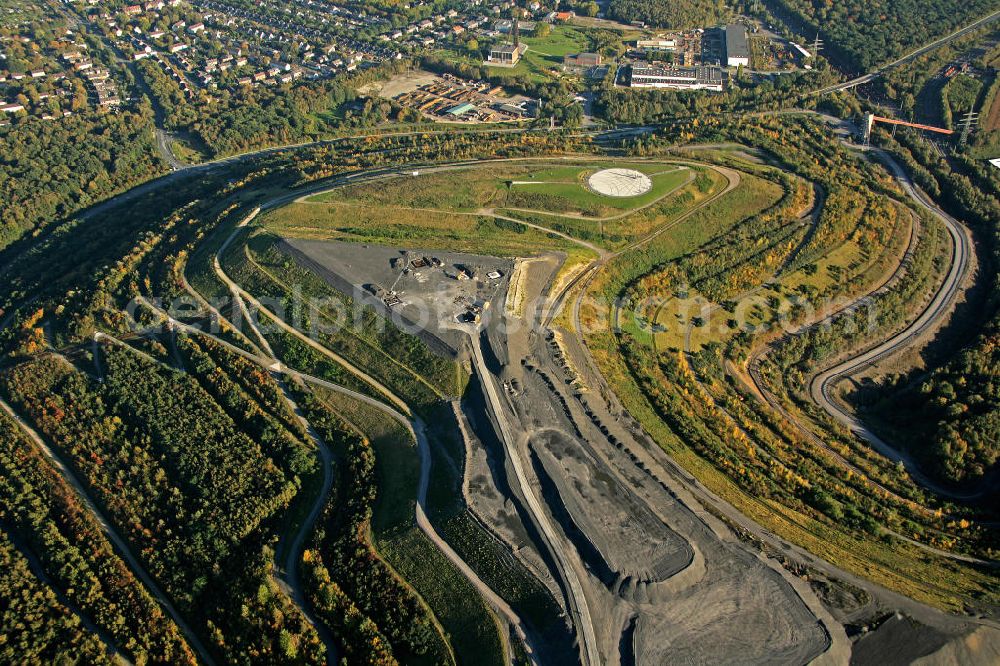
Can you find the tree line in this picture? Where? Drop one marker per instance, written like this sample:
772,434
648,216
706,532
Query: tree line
861,35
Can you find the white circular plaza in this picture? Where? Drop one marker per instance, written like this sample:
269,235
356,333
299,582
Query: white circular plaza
619,182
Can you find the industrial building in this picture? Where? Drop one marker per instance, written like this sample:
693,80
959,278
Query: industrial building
461,109
505,55
508,55
737,48
678,78
582,60
656,45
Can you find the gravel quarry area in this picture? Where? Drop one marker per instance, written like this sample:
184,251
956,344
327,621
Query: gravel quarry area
643,564
628,546
664,582
660,585
426,291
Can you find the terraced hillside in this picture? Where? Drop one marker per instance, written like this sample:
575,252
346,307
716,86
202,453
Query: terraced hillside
391,402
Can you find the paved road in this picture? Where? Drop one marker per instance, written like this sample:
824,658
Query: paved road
585,277
821,386
284,199
575,593
909,57
838,650
163,139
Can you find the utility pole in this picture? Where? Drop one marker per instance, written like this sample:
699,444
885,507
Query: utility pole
867,122
817,46
969,120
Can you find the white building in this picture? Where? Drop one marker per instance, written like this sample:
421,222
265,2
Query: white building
737,48
677,78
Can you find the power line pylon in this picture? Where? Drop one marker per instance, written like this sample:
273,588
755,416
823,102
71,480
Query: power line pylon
968,122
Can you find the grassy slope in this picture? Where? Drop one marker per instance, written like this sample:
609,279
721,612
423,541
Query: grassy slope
390,226
896,565
468,622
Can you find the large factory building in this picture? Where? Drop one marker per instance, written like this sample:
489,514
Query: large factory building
677,78
737,48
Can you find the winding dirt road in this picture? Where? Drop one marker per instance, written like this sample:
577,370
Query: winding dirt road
821,386
574,593
416,428
401,413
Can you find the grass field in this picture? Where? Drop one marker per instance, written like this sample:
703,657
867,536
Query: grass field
543,60
564,190
544,57
188,148
987,142
469,624
388,225
455,209
546,186
750,197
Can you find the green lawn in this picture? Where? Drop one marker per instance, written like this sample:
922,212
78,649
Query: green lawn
565,190
545,54
468,622
560,188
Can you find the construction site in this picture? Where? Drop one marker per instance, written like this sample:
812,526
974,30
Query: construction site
449,98
430,294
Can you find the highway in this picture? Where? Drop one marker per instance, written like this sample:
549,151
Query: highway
909,57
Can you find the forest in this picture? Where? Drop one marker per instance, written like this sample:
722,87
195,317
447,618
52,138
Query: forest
50,170
860,35
42,518
190,450
954,422
37,627
235,121
658,14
